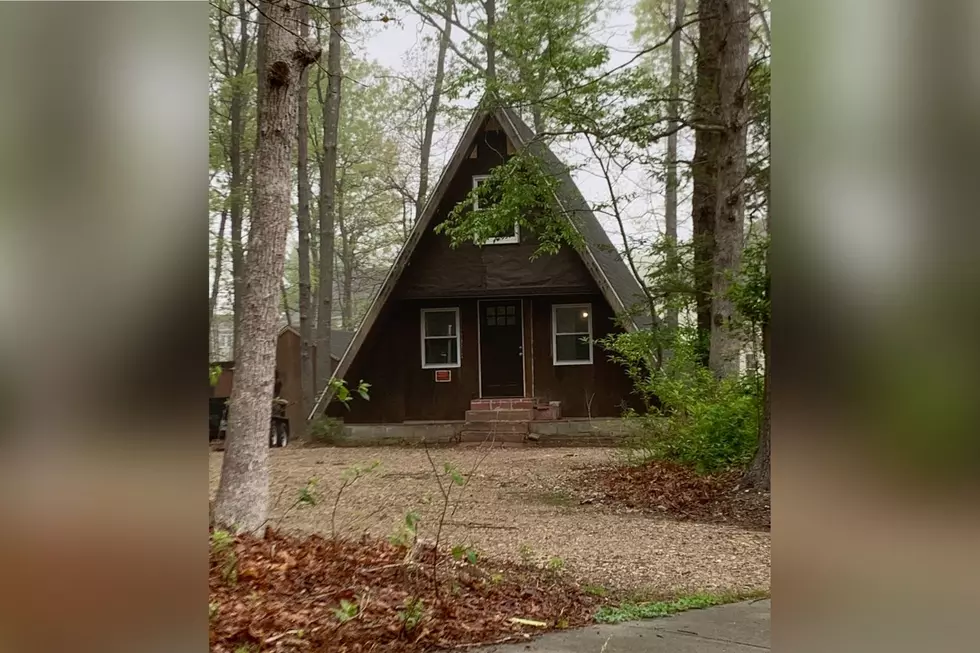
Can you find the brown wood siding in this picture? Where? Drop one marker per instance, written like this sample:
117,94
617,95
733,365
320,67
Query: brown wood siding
401,390
391,361
598,390
288,369
438,270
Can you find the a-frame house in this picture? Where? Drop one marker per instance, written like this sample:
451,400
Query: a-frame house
451,328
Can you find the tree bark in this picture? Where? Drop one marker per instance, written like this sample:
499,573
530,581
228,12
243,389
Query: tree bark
431,113
704,166
285,302
304,228
238,176
726,342
759,473
347,245
328,194
243,493
491,8
673,112
218,253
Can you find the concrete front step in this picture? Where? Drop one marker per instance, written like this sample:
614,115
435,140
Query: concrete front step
500,415
496,427
495,437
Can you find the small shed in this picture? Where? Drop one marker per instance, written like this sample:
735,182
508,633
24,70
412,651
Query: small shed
288,371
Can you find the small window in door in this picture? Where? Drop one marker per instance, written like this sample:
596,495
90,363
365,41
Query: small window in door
501,316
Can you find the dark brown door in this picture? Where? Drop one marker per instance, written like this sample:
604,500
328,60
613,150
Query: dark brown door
502,348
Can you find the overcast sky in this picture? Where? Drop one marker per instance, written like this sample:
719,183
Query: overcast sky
390,43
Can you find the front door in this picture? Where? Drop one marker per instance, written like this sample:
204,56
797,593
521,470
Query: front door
501,348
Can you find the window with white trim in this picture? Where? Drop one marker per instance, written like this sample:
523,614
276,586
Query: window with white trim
571,328
507,238
440,338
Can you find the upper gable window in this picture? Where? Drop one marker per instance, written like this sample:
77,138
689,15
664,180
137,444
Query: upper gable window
511,237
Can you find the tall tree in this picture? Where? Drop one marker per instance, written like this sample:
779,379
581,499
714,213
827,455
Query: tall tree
328,193
491,48
432,110
704,168
304,228
758,474
239,177
243,492
218,252
731,164
673,113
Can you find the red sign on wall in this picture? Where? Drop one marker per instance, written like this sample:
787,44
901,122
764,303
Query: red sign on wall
444,376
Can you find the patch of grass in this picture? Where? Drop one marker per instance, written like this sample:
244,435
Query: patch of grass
632,611
327,431
595,590
558,498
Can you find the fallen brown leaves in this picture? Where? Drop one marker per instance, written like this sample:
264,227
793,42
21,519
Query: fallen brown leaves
286,591
676,492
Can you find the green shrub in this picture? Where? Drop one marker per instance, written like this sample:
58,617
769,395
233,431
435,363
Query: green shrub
327,430
692,418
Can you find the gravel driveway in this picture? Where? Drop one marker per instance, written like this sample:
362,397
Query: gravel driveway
514,507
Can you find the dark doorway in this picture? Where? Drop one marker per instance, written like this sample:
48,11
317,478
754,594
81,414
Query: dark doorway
501,348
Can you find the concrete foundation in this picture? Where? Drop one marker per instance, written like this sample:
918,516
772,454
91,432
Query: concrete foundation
541,433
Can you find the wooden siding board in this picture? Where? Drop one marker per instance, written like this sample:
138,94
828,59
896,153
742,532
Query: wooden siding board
597,390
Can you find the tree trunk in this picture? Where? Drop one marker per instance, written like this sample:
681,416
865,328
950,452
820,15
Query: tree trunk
328,195
673,112
285,302
238,177
243,493
733,88
431,112
303,226
537,119
491,7
346,259
218,252
758,474
704,168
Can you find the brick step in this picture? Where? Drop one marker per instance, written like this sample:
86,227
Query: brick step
496,427
514,403
551,410
500,415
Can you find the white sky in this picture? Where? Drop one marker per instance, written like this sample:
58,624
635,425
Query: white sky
389,43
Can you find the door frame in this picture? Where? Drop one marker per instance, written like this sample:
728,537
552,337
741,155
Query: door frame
479,342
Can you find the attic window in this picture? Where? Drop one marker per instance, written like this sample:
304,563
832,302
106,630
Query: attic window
511,237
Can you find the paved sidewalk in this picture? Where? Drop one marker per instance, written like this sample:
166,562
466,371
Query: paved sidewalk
735,628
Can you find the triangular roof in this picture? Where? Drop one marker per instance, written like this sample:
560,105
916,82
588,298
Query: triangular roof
614,278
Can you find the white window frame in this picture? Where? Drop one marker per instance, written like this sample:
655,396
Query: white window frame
555,334
503,240
423,338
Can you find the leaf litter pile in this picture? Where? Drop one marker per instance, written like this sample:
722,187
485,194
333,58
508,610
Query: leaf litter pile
290,593
676,492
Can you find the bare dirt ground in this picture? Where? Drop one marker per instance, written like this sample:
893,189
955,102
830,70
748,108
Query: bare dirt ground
515,506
